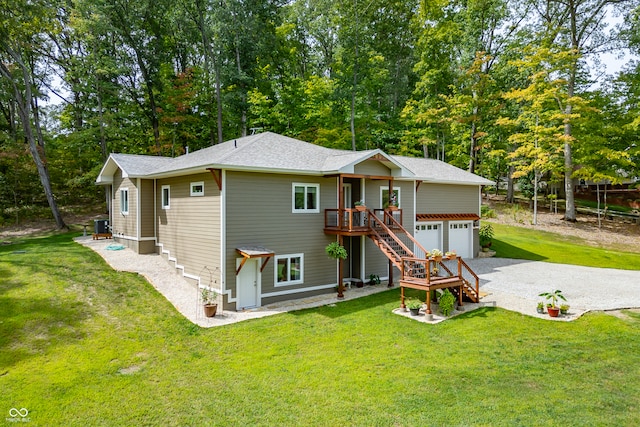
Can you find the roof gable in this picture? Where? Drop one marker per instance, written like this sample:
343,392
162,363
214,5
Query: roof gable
271,152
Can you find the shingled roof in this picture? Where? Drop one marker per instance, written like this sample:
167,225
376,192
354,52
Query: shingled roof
271,152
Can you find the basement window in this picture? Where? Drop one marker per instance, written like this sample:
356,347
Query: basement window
289,269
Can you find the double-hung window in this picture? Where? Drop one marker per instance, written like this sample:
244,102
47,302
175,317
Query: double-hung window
306,197
289,269
124,201
166,196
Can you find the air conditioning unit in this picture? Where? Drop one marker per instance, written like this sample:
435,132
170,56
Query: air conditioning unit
101,226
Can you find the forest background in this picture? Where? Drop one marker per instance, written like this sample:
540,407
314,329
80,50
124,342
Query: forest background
505,89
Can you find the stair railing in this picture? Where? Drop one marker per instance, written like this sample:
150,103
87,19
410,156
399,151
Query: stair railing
407,239
374,222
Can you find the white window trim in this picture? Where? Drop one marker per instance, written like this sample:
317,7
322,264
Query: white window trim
293,197
196,193
124,191
382,201
290,282
166,204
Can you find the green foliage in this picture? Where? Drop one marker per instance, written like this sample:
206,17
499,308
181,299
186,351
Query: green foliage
485,234
487,212
336,251
413,303
435,80
446,302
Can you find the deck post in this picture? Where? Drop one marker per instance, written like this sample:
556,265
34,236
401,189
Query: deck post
340,286
390,284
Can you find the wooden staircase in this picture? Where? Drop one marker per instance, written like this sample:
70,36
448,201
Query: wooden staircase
411,259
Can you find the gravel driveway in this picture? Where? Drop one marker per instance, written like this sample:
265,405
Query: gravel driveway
586,288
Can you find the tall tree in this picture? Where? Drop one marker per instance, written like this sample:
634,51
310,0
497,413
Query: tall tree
578,26
22,34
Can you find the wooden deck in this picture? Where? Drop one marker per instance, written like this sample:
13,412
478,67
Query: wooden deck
417,274
354,222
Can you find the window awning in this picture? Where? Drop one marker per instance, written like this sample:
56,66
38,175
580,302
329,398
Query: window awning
447,217
254,252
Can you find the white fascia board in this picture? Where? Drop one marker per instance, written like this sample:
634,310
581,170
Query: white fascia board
108,169
438,181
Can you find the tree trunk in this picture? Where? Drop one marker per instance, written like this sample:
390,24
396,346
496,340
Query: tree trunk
570,206
36,146
510,189
473,143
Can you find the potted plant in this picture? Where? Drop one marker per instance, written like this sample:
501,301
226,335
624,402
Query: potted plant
552,308
360,206
436,254
392,204
451,254
336,251
485,235
446,302
540,308
374,279
210,302
414,305
564,308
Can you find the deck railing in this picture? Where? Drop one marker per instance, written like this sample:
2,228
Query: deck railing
420,269
346,219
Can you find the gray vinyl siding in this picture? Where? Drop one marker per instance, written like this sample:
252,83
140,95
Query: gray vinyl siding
259,212
449,199
190,229
146,208
124,226
446,199
371,167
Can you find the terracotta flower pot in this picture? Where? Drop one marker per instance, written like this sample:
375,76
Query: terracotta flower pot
210,310
553,311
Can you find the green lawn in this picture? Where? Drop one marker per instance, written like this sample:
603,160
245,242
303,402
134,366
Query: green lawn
84,345
524,243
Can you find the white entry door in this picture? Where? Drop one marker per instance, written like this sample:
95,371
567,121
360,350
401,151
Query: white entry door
461,238
429,235
247,283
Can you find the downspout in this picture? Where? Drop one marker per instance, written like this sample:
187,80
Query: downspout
390,281
155,213
223,233
138,212
363,239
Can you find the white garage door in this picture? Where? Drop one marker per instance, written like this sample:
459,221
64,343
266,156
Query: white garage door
429,235
461,238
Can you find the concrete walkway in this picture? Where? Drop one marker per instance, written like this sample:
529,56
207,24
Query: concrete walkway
510,284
